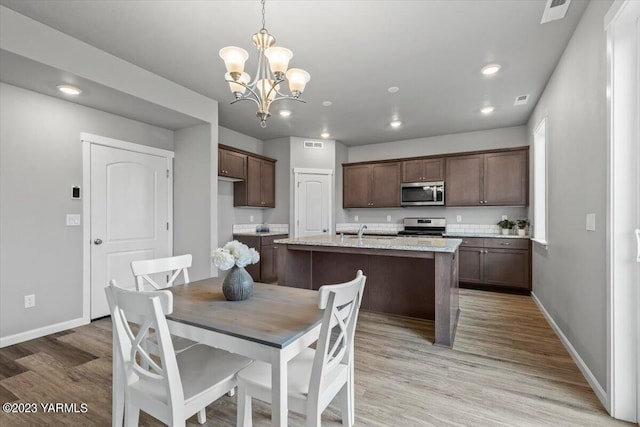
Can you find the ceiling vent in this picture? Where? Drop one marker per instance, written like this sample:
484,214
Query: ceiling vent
313,144
555,9
521,100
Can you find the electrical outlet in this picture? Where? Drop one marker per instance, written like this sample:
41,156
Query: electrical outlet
591,222
505,217
459,218
388,218
355,218
29,301
73,220
251,218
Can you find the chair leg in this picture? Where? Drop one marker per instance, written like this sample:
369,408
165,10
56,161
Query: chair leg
202,416
131,415
346,409
313,417
351,392
244,416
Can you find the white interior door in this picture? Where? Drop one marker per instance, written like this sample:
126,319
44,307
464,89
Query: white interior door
129,216
313,202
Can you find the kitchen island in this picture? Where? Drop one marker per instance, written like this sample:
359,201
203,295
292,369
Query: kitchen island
407,276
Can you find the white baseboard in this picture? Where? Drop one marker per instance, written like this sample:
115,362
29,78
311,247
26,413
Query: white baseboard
586,372
40,332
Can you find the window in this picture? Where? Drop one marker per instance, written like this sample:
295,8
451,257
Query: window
540,182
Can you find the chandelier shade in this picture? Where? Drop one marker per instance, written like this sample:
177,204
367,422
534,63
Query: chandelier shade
273,69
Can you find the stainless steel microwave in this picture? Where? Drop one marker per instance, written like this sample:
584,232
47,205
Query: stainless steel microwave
422,193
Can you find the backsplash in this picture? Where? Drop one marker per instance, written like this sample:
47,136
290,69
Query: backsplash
250,228
473,228
352,227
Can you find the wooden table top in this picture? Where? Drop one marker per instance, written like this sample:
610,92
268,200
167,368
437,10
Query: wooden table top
274,315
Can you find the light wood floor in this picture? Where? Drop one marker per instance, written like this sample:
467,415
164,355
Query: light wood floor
507,368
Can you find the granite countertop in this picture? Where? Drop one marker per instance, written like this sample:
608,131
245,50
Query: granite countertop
378,242
493,235
261,233
373,233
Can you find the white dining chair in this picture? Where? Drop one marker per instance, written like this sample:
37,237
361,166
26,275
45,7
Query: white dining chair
314,377
174,386
174,265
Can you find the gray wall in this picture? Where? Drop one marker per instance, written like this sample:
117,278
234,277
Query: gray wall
280,150
191,197
569,277
40,159
227,214
443,144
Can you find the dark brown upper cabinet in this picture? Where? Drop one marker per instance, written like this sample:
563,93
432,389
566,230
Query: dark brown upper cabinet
258,190
488,179
232,164
373,185
423,170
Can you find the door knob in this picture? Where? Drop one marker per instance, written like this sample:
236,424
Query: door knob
324,230
98,241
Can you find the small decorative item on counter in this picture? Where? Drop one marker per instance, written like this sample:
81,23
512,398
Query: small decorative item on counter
506,225
238,285
522,226
262,228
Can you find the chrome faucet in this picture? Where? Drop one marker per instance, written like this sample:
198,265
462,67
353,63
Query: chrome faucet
361,230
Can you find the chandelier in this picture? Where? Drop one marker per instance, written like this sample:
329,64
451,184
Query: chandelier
272,71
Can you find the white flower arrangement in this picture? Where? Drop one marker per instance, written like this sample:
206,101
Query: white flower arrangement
234,253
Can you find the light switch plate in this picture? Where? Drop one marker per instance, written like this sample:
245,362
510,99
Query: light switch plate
250,218
591,222
459,218
388,218
355,218
73,220
505,217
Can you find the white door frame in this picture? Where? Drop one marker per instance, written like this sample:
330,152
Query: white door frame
621,25
87,140
296,194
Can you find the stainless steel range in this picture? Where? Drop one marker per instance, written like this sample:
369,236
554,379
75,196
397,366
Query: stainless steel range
431,227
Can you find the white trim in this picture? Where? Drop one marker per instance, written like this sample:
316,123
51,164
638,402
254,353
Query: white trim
41,332
586,372
543,121
87,140
311,171
124,145
622,301
542,243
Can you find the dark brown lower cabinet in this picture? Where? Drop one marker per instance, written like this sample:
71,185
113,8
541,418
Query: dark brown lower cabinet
266,270
495,263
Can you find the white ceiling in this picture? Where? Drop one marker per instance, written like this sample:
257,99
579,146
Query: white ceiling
432,50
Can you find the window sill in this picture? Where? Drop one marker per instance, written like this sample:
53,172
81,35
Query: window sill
541,243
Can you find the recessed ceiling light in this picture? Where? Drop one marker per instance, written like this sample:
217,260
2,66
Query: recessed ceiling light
285,113
327,103
490,69
396,124
69,90
325,134
393,89
488,109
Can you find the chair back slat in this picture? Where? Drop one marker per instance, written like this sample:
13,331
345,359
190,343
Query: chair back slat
145,268
147,310
341,304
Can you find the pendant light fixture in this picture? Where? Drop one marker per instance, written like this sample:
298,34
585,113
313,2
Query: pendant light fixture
273,69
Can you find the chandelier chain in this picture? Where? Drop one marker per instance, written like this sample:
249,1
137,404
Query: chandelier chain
263,24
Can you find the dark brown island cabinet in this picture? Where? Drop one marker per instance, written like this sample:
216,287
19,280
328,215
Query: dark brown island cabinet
266,270
423,170
488,179
495,263
371,185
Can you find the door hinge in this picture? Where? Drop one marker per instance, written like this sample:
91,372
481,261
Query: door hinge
298,184
167,226
167,173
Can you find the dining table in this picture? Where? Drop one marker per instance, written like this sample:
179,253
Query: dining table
274,325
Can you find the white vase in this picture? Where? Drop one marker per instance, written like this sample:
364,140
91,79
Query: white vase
522,232
505,231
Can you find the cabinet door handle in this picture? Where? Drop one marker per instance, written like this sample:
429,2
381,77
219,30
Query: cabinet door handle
505,244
